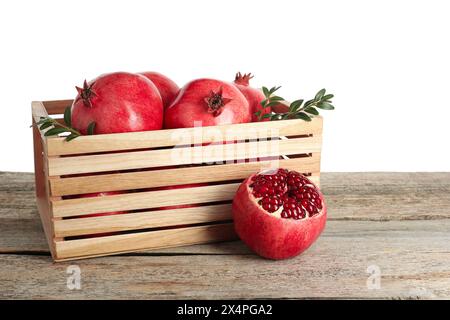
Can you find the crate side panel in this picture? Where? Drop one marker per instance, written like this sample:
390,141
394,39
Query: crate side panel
57,106
143,200
145,240
42,193
172,137
176,176
142,220
181,156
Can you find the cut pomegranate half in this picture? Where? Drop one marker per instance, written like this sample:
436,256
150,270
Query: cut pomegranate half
278,213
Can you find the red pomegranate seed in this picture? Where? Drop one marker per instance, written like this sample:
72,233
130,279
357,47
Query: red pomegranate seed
290,190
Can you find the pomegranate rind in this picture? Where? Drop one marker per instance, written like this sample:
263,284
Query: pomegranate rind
270,236
167,88
190,108
123,102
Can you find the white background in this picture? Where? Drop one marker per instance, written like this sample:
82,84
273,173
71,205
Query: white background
387,62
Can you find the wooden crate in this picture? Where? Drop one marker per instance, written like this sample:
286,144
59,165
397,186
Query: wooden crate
141,164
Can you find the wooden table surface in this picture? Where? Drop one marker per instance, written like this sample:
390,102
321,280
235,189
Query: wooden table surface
394,223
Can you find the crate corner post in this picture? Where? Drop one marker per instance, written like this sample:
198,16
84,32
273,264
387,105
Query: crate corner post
41,176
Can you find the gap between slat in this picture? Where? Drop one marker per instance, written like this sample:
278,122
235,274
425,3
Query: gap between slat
175,176
84,248
158,158
142,220
143,200
171,137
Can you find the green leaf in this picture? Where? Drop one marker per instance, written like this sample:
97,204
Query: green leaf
295,105
275,117
91,128
276,98
303,116
266,116
257,113
68,116
319,95
266,92
308,103
325,106
273,103
54,131
71,137
273,89
312,110
43,120
45,125
328,96
263,103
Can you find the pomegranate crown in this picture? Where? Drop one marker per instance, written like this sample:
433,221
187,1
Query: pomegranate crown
215,102
86,93
243,79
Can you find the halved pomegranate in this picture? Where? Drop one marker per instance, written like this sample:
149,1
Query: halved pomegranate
278,213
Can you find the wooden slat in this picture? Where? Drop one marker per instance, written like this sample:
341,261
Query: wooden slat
158,158
42,186
164,138
169,177
143,200
57,106
142,220
38,111
144,240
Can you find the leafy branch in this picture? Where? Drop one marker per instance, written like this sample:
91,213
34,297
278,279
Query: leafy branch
269,101
298,109
56,128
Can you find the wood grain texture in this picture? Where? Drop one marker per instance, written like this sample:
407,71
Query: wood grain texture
143,200
42,186
57,106
397,221
181,156
108,245
336,266
176,176
172,137
142,220
350,196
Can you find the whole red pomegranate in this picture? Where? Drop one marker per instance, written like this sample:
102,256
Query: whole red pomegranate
207,102
118,102
254,96
279,213
167,88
